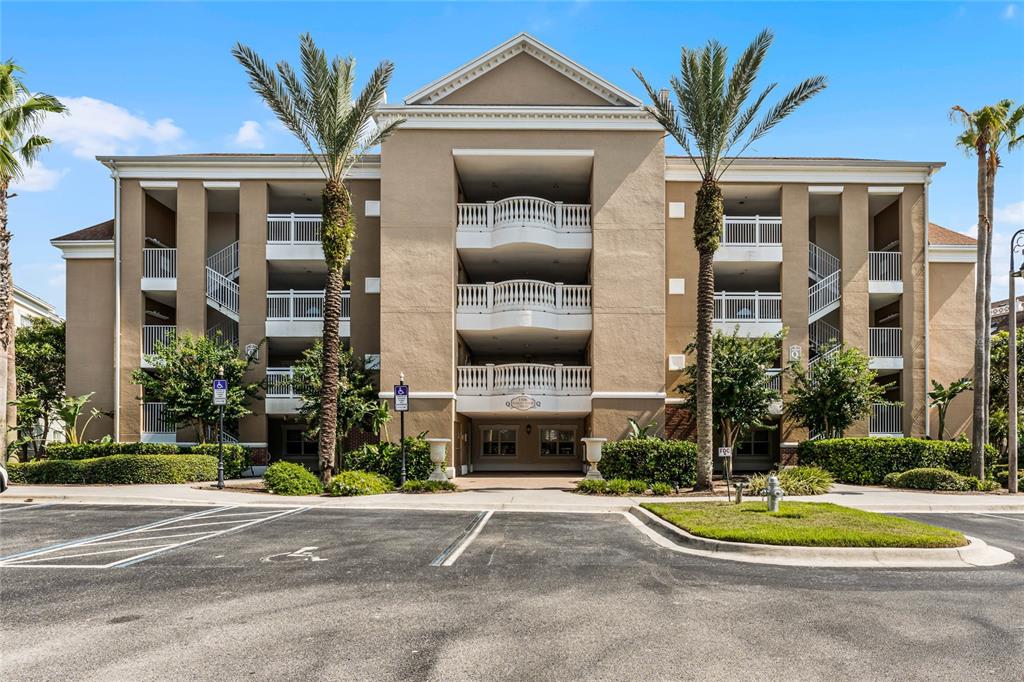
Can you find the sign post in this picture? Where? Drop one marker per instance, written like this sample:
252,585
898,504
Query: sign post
401,407
725,454
220,399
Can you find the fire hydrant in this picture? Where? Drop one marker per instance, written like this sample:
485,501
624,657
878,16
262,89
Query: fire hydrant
774,493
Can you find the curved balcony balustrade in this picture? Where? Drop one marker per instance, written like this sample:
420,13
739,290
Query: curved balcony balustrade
523,220
523,387
524,303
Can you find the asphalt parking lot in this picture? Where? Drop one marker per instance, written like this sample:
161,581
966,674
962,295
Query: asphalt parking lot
131,592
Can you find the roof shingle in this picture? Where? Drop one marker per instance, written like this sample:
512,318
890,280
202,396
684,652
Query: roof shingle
941,235
99,232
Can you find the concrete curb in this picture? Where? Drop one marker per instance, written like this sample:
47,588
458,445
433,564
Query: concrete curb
976,554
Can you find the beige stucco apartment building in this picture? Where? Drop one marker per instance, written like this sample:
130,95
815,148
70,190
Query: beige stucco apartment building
525,258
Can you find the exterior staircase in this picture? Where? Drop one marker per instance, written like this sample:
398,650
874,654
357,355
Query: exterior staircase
826,285
222,293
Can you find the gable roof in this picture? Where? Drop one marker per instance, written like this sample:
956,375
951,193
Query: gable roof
99,232
522,43
941,235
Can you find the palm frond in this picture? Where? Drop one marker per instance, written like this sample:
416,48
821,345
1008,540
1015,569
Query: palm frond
31,148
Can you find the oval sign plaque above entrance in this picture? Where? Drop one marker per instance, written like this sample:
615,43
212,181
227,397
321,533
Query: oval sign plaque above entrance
523,403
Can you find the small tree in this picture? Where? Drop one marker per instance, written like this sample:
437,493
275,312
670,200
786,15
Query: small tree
742,395
836,392
182,379
358,404
941,397
40,353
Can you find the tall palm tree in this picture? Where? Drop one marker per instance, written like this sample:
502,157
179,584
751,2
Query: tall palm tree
714,120
985,131
21,114
337,131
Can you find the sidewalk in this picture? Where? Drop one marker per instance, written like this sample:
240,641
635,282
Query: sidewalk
494,498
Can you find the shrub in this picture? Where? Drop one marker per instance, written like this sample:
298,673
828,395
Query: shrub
802,480
116,469
650,459
351,483
986,486
590,486
421,486
932,478
1001,474
637,487
890,479
93,450
236,458
661,489
617,486
866,461
288,478
386,459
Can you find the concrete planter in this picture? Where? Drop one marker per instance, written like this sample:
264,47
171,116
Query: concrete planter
438,457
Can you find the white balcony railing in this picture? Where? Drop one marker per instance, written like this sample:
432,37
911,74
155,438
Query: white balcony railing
524,294
755,306
301,305
885,266
155,419
522,377
154,335
225,261
821,262
222,291
294,228
774,377
162,263
281,383
885,342
524,212
886,420
752,231
824,293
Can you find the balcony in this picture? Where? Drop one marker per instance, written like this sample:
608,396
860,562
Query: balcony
154,335
524,304
156,426
283,393
885,272
886,421
159,269
300,314
885,348
492,390
774,378
754,313
747,239
294,237
523,221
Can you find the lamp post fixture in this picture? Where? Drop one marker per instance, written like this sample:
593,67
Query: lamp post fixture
1016,245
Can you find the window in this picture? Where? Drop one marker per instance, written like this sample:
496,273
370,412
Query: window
757,444
297,444
498,441
557,441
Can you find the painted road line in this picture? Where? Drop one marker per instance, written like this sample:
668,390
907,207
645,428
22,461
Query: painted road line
453,551
106,536
31,506
143,557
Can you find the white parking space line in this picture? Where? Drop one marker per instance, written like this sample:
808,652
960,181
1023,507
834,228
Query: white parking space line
8,512
453,551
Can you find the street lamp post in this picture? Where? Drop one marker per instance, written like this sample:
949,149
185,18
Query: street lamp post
1016,244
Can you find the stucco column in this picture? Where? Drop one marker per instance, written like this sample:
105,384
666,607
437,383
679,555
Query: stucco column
913,248
133,225
252,284
191,308
854,310
793,280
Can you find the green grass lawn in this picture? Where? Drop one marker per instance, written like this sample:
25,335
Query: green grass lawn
807,524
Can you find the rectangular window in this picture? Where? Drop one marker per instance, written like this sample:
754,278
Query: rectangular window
557,442
758,443
296,444
498,442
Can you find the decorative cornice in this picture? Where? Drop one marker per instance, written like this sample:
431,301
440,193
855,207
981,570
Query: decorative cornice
519,118
520,44
98,249
952,253
229,167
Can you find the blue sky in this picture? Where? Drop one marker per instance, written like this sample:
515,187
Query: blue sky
146,78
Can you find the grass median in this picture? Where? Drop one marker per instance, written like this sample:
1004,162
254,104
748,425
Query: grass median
804,524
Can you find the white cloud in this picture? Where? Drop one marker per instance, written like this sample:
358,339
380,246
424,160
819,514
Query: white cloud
250,136
39,178
1011,213
94,127
1010,12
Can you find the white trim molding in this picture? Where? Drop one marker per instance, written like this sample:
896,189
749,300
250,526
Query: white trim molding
824,175
520,44
952,253
640,395
438,116
885,190
159,184
222,184
230,167
98,249
825,189
572,153
430,395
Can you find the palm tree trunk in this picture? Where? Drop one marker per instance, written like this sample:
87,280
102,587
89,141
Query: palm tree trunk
981,329
12,376
990,204
707,225
6,299
338,233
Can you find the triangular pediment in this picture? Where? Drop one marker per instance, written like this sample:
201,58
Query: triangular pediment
522,72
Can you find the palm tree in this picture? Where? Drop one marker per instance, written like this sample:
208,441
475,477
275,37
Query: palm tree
714,119
985,131
337,131
21,113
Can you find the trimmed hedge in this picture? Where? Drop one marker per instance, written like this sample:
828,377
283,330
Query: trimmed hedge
288,478
866,461
236,458
421,486
351,483
1001,474
93,450
126,469
651,460
386,459
931,478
